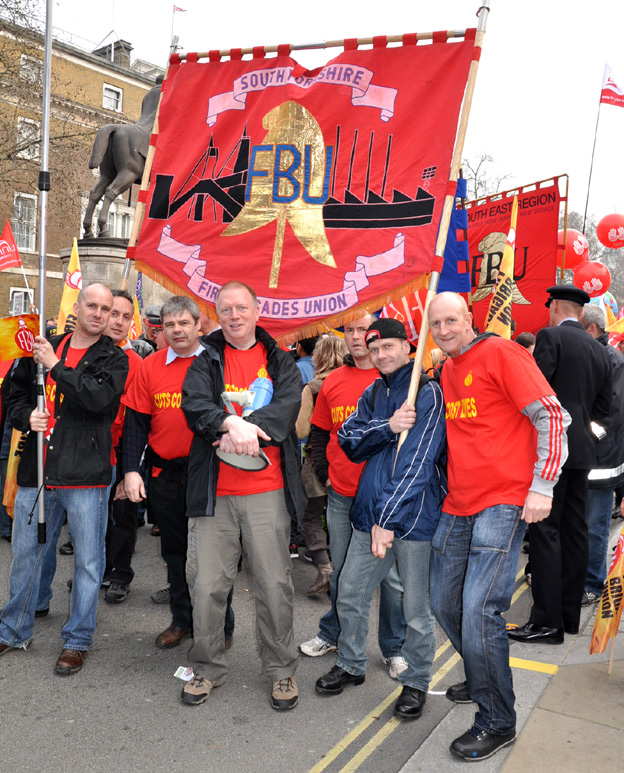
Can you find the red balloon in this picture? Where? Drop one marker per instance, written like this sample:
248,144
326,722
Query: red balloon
610,231
577,248
593,277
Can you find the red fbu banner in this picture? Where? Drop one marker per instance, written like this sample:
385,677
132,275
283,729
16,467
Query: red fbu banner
321,189
535,264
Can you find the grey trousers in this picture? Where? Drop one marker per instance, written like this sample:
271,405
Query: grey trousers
214,546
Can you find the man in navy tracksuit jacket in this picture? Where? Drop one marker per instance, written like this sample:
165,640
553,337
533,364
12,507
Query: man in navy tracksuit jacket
394,515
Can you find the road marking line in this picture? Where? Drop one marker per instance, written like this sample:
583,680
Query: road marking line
393,723
443,670
522,589
365,752
533,665
357,730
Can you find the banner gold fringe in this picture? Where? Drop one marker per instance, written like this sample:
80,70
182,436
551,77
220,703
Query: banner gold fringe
306,330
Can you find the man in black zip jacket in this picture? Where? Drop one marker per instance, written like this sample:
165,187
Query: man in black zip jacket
608,472
226,505
84,383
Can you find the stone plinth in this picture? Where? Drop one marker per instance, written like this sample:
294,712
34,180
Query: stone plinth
102,260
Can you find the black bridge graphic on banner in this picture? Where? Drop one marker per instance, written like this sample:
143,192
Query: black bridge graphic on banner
226,187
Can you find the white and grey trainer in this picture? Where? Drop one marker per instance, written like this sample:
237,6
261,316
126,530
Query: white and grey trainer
397,665
316,647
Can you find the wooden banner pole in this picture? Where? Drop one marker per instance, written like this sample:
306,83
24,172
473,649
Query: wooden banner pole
449,203
328,44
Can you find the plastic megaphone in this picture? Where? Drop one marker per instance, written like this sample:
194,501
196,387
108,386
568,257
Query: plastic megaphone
259,394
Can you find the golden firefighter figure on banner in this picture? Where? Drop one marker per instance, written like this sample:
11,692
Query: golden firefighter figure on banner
289,124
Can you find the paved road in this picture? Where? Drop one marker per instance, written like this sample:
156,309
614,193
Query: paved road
123,712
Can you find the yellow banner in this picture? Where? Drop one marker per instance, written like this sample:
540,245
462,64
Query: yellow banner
136,328
17,336
71,288
499,314
610,607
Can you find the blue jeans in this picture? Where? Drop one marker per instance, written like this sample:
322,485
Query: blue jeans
474,560
598,507
391,619
361,574
86,513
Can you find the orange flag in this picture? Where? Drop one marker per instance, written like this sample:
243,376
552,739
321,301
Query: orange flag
610,607
17,336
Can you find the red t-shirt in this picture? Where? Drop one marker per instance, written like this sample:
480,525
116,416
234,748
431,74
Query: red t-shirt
72,358
492,446
242,367
336,401
134,361
156,389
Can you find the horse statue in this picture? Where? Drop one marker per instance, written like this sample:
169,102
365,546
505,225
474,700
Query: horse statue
120,151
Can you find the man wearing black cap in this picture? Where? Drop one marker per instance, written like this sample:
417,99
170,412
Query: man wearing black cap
394,515
151,325
577,367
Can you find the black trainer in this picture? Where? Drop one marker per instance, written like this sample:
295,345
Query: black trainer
117,592
478,744
336,680
458,693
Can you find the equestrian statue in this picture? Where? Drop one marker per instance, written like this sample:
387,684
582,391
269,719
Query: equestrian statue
120,151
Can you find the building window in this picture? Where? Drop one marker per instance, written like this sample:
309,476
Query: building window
111,222
28,138
112,98
20,299
31,69
25,221
126,225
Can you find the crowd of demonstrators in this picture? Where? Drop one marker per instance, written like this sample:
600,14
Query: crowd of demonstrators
513,433
608,472
85,380
122,512
154,420
394,514
226,505
336,401
506,445
328,355
578,370
6,431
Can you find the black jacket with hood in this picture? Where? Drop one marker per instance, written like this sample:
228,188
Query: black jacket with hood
79,450
205,413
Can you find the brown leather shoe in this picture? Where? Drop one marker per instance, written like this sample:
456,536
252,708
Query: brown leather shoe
70,661
4,648
171,637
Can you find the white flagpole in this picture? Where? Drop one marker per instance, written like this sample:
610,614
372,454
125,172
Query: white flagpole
591,166
44,187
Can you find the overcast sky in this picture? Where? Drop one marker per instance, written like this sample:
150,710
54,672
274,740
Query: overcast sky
538,87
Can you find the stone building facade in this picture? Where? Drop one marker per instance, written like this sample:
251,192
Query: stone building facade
88,90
